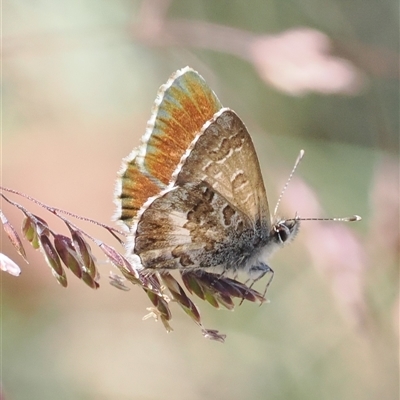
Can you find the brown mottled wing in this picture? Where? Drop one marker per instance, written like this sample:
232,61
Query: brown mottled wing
192,226
217,211
224,156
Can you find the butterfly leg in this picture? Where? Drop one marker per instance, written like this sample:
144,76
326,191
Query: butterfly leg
262,269
258,272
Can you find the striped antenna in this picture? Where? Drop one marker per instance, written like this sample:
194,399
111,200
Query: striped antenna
353,218
299,158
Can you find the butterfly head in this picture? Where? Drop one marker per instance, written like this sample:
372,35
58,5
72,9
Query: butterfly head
284,230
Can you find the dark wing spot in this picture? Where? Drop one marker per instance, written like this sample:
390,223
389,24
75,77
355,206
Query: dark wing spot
208,195
221,152
239,181
228,212
184,258
237,140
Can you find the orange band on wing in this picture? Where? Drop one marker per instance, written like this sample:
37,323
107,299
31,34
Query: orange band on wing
136,189
185,107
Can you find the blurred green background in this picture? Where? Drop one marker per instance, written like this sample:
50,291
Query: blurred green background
78,82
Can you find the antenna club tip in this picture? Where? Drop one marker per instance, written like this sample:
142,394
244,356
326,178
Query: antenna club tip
355,218
300,156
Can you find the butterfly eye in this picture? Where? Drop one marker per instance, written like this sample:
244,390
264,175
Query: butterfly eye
285,230
282,232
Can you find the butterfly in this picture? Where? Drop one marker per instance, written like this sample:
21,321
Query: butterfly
192,195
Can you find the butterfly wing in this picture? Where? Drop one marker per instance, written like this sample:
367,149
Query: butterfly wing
193,226
182,106
215,212
194,188
223,155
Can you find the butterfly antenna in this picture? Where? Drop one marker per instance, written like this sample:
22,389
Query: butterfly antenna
353,218
300,156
